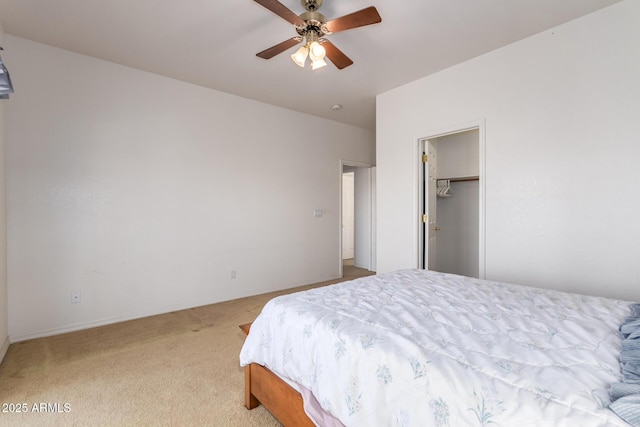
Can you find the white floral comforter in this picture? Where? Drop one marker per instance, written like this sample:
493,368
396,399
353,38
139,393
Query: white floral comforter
420,348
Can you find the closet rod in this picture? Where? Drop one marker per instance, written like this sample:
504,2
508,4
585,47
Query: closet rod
463,178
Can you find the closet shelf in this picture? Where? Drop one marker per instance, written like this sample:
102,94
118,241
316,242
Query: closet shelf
462,178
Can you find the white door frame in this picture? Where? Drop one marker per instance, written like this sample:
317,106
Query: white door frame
344,163
480,125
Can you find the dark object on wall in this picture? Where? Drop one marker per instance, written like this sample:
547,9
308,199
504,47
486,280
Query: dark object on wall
5,81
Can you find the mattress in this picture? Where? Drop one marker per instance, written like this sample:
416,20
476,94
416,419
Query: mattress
421,348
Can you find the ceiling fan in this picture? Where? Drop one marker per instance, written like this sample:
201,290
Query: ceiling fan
311,27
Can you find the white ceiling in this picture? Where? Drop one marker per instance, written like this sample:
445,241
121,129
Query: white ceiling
213,43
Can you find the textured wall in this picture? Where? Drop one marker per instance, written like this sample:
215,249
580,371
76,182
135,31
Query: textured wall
561,114
144,193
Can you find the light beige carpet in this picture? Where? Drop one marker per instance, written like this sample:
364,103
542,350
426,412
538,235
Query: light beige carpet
175,369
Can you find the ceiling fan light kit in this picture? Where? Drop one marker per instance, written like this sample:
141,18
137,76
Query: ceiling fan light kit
313,50
318,64
311,27
300,56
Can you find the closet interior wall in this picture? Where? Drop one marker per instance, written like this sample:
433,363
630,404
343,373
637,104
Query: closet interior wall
457,244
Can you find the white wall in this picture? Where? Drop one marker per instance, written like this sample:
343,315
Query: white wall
4,328
348,214
562,175
457,241
458,154
144,193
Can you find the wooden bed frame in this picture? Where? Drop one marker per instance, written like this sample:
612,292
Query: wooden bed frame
261,386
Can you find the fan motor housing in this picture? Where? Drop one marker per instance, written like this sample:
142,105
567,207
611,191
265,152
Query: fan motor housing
315,22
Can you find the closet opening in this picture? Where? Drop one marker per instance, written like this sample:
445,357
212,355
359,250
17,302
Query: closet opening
451,198
357,224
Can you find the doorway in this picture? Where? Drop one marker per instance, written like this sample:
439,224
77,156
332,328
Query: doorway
452,201
357,216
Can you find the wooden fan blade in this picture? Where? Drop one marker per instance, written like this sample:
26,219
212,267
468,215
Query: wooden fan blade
357,19
335,55
281,10
279,48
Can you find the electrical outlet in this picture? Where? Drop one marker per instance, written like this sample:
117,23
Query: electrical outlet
233,274
76,297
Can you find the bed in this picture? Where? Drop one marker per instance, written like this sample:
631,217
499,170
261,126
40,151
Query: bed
421,348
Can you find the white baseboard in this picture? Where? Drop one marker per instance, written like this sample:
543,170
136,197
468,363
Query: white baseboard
117,319
3,348
96,323
152,311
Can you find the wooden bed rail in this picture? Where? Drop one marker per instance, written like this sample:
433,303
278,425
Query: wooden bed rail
261,386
